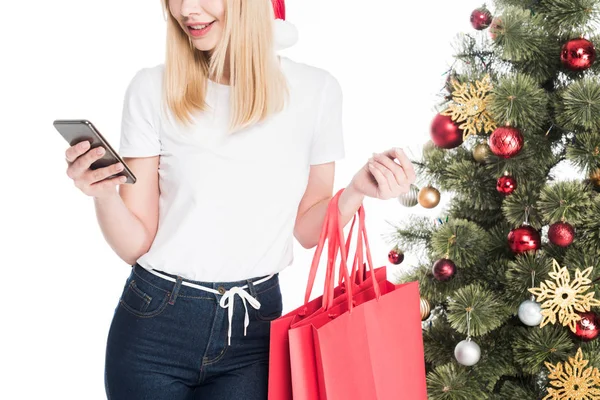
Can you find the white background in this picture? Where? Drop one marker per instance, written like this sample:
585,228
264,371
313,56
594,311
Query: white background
73,59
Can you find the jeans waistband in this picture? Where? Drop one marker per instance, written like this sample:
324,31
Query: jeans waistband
167,284
225,291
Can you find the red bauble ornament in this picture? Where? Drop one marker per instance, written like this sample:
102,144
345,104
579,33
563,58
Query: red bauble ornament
523,239
506,185
561,234
578,54
395,256
444,269
445,132
587,328
481,18
506,141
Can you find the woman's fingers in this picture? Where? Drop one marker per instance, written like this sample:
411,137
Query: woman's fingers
396,170
405,163
378,171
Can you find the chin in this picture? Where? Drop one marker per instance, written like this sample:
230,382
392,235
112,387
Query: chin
204,45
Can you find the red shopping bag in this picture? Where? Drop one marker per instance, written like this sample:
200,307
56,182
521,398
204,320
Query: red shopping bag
302,349
280,381
368,347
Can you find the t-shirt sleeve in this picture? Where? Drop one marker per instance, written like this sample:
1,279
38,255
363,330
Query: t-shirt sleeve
139,124
328,138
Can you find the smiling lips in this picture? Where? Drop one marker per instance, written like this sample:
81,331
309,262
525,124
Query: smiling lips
199,29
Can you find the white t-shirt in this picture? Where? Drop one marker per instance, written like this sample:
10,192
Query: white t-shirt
228,202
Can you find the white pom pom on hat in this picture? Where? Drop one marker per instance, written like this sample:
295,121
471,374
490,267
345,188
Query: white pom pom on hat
286,34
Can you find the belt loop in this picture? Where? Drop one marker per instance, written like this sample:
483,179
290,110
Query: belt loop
251,288
175,290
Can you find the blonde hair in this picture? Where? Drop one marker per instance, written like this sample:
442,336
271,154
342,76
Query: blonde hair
258,86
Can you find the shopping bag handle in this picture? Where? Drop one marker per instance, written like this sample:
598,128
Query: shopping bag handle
329,232
337,244
358,267
362,231
357,274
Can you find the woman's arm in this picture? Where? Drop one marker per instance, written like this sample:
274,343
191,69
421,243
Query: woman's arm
129,219
313,207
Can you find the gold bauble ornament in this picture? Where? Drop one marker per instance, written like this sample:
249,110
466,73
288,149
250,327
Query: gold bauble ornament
425,309
481,152
429,197
595,178
409,199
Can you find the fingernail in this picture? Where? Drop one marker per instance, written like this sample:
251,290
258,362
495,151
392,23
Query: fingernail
84,144
123,179
119,167
100,151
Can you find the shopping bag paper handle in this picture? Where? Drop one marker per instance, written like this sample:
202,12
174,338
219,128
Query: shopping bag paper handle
329,232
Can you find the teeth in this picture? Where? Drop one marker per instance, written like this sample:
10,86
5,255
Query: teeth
199,26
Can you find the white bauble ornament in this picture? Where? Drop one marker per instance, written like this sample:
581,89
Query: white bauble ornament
530,313
467,353
410,198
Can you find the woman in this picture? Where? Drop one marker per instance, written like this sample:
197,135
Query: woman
234,149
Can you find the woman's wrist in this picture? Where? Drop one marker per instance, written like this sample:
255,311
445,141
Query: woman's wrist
350,201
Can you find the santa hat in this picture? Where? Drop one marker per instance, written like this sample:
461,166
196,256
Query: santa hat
286,34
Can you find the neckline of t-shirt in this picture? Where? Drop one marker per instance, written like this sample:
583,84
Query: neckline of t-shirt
223,87
218,86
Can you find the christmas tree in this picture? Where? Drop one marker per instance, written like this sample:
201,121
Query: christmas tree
508,273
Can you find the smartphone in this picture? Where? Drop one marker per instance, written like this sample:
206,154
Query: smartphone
77,130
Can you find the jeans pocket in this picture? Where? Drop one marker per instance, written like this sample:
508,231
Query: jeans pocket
271,304
143,299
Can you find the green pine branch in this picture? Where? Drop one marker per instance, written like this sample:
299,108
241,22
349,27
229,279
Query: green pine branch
436,292
517,100
578,105
439,341
461,241
591,352
584,153
462,207
412,235
588,231
484,308
570,17
524,272
452,382
520,205
564,201
534,346
519,34
518,389
498,247
495,362
472,181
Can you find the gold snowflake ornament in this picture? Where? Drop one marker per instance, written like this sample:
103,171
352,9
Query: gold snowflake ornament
573,381
469,107
563,298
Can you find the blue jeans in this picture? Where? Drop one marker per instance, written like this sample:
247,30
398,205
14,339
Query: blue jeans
168,341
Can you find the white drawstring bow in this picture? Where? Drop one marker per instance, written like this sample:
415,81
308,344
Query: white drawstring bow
228,301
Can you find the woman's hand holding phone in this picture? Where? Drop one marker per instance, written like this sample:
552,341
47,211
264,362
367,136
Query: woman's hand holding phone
92,182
